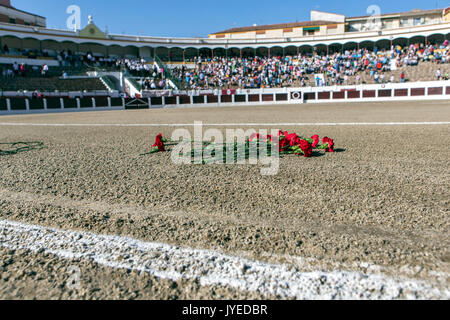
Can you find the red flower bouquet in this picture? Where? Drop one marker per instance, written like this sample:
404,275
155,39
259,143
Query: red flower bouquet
289,143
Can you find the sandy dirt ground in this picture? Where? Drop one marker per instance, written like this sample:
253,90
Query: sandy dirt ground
380,204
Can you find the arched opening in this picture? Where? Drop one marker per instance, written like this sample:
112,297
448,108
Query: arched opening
291,51
436,39
276,51
69,54
95,49
320,49
350,46
334,48
31,44
368,45
248,53
220,52
306,50
402,42
30,47
190,54
69,46
383,44
116,51
176,54
89,53
262,52
234,52
146,53
12,45
162,53
417,40
206,53
131,52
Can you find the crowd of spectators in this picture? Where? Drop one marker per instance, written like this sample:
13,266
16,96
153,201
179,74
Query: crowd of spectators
336,68
416,53
341,68
155,84
22,70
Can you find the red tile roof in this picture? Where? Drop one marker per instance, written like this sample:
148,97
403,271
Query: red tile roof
279,26
317,23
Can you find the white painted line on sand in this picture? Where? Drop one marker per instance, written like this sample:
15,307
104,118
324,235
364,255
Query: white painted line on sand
320,124
211,268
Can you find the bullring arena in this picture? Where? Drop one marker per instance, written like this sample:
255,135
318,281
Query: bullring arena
371,220
87,214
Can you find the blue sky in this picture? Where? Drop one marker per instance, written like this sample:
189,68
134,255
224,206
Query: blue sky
183,18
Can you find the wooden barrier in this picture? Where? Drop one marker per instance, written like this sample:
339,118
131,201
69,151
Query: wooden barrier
387,92
3,104
18,104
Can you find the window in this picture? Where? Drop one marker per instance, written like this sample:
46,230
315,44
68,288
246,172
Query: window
12,20
418,21
388,24
404,22
332,29
310,31
353,27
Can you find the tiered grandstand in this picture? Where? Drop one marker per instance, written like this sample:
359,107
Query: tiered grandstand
51,84
329,51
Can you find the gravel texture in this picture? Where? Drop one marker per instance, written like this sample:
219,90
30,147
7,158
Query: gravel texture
208,268
380,205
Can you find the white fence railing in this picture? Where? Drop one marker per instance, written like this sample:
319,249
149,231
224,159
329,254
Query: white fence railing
432,90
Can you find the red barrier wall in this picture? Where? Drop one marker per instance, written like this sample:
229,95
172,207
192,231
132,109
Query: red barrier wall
324,95
435,91
417,91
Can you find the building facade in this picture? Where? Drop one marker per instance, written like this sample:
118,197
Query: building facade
324,23
325,33
11,15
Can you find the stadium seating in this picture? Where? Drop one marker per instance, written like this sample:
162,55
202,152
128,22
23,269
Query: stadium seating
426,71
418,62
51,84
232,72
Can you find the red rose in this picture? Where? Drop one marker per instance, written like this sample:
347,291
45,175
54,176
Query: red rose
283,144
330,144
281,133
306,148
316,140
291,136
293,139
159,143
